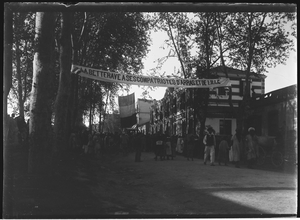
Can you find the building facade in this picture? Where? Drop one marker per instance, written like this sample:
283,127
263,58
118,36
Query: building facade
275,115
175,115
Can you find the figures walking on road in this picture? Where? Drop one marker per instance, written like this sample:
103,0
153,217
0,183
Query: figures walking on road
159,147
190,142
85,140
223,151
124,143
235,143
138,147
179,145
168,146
251,147
210,143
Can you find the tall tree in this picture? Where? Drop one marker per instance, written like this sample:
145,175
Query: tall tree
193,37
248,41
63,98
206,40
257,41
40,130
7,71
114,41
7,80
22,58
221,20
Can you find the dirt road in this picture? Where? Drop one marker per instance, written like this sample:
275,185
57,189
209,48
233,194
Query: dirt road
118,186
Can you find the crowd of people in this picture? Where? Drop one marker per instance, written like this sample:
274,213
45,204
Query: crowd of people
166,147
95,143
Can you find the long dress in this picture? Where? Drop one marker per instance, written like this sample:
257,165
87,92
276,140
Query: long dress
251,150
168,148
179,146
235,148
223,151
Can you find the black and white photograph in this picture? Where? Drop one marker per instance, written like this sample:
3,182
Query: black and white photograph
158,110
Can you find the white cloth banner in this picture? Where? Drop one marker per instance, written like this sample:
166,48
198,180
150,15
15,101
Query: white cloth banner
144,110
107,76
126,105
126,111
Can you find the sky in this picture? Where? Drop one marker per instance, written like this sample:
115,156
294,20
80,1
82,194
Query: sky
282,75
279,77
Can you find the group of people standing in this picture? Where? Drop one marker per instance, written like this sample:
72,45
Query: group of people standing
96,144
229,148
232,150
166,147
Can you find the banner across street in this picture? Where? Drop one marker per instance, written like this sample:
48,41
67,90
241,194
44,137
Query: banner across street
107,76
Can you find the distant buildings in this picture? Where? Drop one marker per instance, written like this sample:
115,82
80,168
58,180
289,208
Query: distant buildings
111,124
275,111
174,114
275,115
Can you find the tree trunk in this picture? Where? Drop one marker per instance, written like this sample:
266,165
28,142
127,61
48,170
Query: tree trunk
40,130
7,75
75,100
19,77
7,81
100,115
61,123
243,114
70,121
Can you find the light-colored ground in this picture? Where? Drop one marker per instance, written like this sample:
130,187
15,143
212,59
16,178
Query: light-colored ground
181,187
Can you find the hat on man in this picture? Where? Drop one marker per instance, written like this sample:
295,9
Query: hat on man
210,129
251,129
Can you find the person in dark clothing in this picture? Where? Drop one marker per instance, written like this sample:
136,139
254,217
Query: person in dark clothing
190,141
21,124
148,142
210,142
252,152
223,151
168,146
159,146
138,147
173,144
85,140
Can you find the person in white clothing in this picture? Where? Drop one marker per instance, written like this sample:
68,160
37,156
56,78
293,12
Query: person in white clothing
209,141
179,146
235,143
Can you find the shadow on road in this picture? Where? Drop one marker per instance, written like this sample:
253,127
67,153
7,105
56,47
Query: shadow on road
116,187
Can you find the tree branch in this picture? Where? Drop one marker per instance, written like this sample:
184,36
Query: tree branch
176,49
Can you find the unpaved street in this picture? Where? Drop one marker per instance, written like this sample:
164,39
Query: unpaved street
179,187
118,186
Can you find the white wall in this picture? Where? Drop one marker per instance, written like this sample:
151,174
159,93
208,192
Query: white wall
215,123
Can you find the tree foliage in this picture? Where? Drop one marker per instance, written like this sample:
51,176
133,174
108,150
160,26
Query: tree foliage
261,40
108,41
250,41
113,41
23,35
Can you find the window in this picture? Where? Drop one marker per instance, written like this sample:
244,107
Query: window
243,87
225,127
221,91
